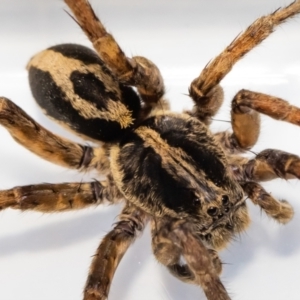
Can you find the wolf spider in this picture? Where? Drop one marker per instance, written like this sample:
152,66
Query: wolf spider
168,168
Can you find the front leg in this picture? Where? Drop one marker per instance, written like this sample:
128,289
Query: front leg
281,211
111,250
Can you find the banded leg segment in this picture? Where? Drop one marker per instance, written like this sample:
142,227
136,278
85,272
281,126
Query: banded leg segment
219,67
281,211
273,107
45,144
245,119
267,165
270,164
110,252
173,239
137,71
245,124
246,128
59,197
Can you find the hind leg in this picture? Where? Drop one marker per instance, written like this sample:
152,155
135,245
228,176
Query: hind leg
136,71
47,145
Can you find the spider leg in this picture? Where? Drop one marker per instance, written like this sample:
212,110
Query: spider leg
171,240
204,89
199,260
245,119
245,123
271,106
281,211
270,164
110,252
168,253
267,165
48,197
45,144
246,126
137,71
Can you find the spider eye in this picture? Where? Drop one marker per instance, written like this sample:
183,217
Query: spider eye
197,202
229,226
225,200
212,211
208,237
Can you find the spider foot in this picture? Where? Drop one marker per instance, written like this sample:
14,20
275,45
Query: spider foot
285,213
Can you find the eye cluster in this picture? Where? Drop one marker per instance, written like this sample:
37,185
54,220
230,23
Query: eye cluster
217,212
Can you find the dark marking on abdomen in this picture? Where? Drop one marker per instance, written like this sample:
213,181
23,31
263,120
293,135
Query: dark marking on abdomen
51,98
83,98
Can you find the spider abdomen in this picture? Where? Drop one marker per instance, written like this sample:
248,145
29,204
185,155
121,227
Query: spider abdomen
72,85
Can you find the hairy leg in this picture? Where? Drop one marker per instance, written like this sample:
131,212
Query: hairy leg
269,164
229,142
245,120
202,88
110,252
47,145
274,107
199,260
281,211
136,71
59,197
170,240
168,253
245,123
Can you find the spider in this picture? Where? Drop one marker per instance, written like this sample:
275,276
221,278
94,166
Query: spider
168,168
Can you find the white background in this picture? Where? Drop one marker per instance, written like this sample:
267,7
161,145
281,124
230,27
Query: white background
46,257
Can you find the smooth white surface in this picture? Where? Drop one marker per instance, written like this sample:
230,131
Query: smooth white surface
46,257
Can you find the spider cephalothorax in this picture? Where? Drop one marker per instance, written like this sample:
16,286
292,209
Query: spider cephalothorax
182,172
168,168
